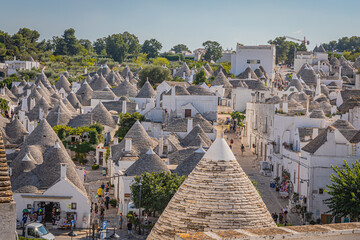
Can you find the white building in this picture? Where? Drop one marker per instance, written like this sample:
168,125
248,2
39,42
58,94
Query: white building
14,65
255,56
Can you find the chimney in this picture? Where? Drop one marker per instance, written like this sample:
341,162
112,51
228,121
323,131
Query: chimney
24,105
41,113
249,75
161,145
184,75
307,107
32,103
63,171
340,72
189,125
319,65
128,144
331,136
357,81
315,133
116,140
123,110
28,91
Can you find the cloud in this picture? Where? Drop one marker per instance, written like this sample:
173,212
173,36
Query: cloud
298,31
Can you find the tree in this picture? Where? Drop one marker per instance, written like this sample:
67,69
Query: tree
86,44
100,46
345,191
213,51
200,77
126,122
239,116
67,44
132,42
285,49
155,74
116,47
161,61
151,47
157,189
179,48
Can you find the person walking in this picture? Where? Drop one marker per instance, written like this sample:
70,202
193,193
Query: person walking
99,192
129,227
231,141
84,175
121,220
96,209
242,149
104,173
276,217
107,200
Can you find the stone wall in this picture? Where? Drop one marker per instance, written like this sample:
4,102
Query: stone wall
8,220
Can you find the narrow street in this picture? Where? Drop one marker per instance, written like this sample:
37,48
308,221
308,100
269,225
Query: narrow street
251,167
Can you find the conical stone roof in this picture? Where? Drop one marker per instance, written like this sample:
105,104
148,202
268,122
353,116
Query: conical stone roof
59,115
146,91
15,90
73,100
148,162
141,141
102,115
245,74
220,69
221,79
6,195
98,84
208,68
217,195
125,89
186,166
197,130
34,113
16,131
84,94
64,83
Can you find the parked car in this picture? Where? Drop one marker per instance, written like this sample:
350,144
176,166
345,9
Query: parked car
37,231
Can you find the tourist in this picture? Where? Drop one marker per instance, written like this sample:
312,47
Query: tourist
281,217
129,227
84,175
96,209
275,217
285,213
242,149
230,146
104,173
102,211
107,200
120,220
231,141
99,192
103,186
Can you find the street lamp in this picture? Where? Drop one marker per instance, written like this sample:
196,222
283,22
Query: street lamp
140,183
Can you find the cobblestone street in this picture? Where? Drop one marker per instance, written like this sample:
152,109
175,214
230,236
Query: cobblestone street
251,166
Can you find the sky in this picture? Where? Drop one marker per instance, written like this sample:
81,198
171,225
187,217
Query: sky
190,22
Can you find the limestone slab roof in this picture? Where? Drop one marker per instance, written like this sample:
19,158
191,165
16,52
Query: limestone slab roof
99,83
245,74
180,90
117,106
180,124
191,136
103,116
81,120
33,114
189,163
84,94
180,155
148,162
41,169
221,80
217,195
59,115
125,88
64,83
198,90
141,141
73,100
15,131
146,91
256,85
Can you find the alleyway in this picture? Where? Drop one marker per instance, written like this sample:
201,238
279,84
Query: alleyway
251,166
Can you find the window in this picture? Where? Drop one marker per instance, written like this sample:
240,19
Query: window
321,191
187,112
248,61
73,206
258,61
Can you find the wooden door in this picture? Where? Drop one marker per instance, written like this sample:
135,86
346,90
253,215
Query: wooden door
187,112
